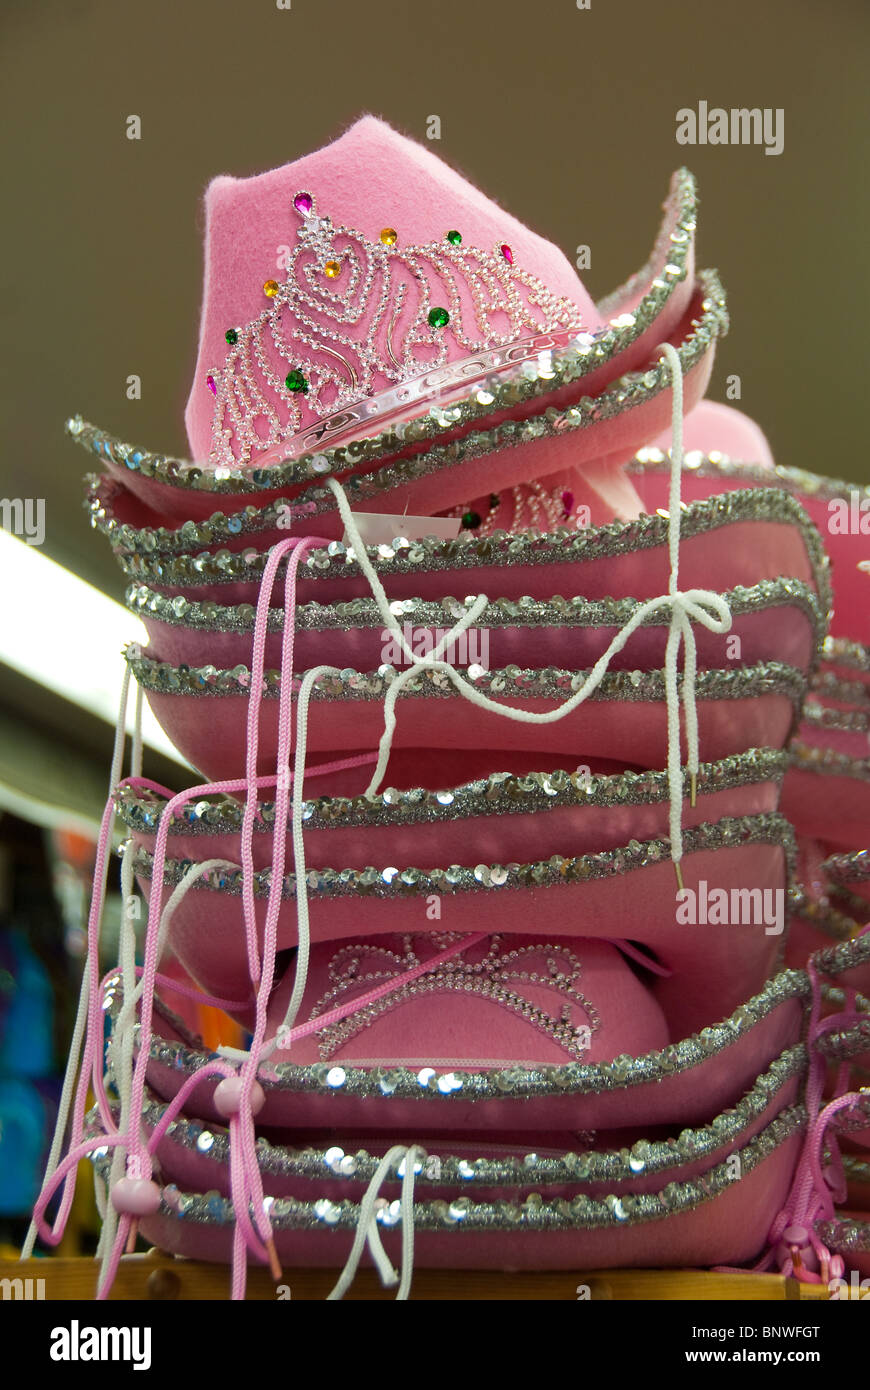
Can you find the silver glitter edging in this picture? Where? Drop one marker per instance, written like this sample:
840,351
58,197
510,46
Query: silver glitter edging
838,651
362,614
848,868
820,716
557,871
501,793
644,1156
845,1236
830,686
847,956
828,762
511,682
822,915
842,1044
625,394
716,465
589,352
535,1214
507,1081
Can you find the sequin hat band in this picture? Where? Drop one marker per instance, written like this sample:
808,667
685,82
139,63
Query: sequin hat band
360,331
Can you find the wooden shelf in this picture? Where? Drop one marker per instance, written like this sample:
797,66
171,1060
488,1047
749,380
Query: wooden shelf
157,1277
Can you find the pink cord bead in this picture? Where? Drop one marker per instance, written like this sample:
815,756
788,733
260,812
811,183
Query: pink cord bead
136,1196
228,1097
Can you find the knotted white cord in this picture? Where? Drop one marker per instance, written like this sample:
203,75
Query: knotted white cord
367,1227
699,605
703,606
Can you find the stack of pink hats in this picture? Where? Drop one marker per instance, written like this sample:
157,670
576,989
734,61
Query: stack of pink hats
531,835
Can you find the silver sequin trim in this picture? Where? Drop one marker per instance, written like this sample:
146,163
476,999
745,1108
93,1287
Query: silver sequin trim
501,793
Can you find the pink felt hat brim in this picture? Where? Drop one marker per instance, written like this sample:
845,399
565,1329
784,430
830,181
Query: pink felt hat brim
783,633
210,731
195,1170
688,1096
710,974
615,439
579,828
742,551
719,427
730,1228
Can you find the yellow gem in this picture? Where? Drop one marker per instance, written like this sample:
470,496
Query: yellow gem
332,269
389,236
271,288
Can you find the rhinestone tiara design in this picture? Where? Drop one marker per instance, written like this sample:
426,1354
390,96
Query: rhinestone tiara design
514,979
361,330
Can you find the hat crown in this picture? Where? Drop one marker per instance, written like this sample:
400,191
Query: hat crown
370,181
354,317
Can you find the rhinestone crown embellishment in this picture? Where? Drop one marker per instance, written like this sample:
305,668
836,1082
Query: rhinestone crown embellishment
510,978
360,330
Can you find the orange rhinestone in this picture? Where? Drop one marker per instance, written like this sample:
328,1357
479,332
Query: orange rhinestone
332,269
271,288
389,236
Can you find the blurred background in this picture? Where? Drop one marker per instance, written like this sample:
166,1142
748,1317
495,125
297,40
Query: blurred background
565,115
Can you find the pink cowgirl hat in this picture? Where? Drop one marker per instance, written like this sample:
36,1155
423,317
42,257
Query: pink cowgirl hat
366,303
369,316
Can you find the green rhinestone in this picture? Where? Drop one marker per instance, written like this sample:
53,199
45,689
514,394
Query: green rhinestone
470,520
231,336
455,238
295,381
438,318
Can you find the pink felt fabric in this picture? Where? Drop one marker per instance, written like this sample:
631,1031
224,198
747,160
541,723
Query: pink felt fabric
780,633
714,966
838,807
728,1229
210,732
192,1170
847,550
371,177
580,828
712,426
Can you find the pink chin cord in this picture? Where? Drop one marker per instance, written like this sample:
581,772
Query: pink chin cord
136,1193
238,1095
792,1244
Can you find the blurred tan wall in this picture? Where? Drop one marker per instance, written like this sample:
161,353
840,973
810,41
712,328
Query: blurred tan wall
566,116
